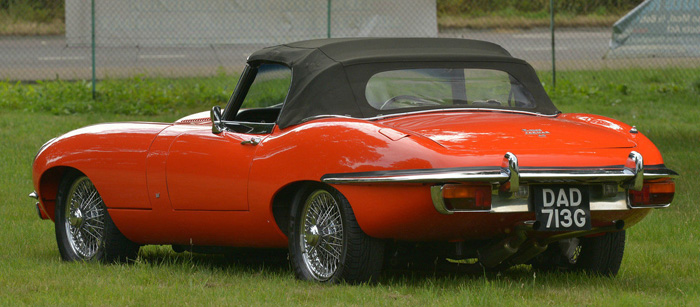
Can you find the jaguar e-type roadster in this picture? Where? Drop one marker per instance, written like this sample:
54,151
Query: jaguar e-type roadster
355,154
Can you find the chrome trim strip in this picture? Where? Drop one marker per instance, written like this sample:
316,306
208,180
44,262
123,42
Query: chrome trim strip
461,110
509,205
650,207
378,117
34,195
499,177
569,176
656,174
438,201
454,176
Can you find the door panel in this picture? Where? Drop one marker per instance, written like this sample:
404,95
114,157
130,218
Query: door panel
206,171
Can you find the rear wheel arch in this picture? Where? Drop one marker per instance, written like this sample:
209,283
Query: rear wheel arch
285,198
290,194
294,193
326,244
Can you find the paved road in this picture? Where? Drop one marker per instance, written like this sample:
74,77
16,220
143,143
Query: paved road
31,58
535,45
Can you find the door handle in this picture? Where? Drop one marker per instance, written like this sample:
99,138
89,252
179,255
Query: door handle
252,141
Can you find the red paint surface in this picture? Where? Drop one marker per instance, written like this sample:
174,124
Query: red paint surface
181,184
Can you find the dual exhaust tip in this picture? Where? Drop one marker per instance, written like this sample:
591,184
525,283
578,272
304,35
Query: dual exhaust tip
519,247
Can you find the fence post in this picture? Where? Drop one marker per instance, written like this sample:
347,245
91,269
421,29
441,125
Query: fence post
328,19
551,27
92,17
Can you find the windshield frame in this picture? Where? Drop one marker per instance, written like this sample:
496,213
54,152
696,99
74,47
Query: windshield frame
239,95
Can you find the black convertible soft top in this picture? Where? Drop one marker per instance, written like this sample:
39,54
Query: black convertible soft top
329,75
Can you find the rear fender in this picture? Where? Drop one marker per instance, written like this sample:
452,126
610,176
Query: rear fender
300,155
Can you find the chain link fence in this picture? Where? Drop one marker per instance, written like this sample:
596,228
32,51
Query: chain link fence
179,38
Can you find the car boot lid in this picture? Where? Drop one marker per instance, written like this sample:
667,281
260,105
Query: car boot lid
497,130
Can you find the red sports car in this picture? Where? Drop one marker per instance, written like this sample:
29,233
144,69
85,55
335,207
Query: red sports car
358,153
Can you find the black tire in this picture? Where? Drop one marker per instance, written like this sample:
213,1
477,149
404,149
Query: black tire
600,255
84,229
358,257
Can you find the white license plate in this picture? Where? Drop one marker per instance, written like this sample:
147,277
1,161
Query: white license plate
562,207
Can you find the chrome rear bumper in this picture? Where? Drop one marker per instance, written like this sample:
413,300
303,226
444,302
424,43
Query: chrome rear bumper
631,175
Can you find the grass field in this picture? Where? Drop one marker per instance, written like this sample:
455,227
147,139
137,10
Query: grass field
661,264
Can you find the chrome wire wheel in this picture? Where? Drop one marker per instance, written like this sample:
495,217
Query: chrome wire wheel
321,232
84,219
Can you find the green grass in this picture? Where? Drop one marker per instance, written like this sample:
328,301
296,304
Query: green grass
133,96
661,264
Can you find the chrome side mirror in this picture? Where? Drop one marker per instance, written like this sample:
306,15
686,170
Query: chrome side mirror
217,125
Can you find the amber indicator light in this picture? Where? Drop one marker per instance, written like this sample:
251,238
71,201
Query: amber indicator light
467,196
653,194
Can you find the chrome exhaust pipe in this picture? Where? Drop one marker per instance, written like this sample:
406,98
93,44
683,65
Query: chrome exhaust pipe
517,249
528,251
617,225
493,255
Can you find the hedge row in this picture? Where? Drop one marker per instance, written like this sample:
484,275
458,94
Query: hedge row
577,7
33,10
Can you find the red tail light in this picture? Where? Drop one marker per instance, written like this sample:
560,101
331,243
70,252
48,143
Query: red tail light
653,194
467,196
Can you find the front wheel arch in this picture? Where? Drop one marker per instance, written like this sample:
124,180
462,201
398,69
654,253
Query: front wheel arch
83,227
49,183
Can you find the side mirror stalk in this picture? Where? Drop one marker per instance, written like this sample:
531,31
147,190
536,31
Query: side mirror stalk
217,125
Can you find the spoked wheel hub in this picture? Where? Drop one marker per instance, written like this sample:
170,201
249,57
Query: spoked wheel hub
76,219
312,237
